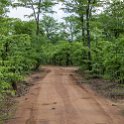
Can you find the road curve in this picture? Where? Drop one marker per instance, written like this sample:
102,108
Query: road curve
57,99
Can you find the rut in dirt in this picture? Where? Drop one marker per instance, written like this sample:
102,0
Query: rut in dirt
57,99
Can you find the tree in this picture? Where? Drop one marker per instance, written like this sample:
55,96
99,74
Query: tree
63,34
88,33
83,10
38,7
23,27
4,4
50,27
114,17
72,28
3,7
77,7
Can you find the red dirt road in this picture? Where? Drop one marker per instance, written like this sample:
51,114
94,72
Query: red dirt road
57,99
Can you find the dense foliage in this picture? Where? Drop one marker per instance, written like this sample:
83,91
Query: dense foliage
87,38
17,59
64,53
108,59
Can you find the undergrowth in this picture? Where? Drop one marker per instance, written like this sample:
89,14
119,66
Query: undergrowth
107,88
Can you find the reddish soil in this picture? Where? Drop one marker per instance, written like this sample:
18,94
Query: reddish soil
57,99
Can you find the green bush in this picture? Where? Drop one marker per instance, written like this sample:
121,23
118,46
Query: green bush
17,57
108,59
65,53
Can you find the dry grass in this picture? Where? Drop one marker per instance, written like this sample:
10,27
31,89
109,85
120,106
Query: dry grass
7,108
109,89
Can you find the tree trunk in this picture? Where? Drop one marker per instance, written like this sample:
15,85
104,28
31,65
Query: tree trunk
14,86
38,18
88,34
37,28
83,29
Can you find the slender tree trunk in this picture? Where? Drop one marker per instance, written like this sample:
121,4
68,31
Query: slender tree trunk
14,86
37,27
88,34
83,29
38,18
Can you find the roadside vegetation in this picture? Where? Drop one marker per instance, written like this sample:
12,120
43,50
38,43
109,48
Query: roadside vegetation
90,37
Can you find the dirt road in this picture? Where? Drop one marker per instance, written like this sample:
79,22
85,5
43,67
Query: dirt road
57,99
